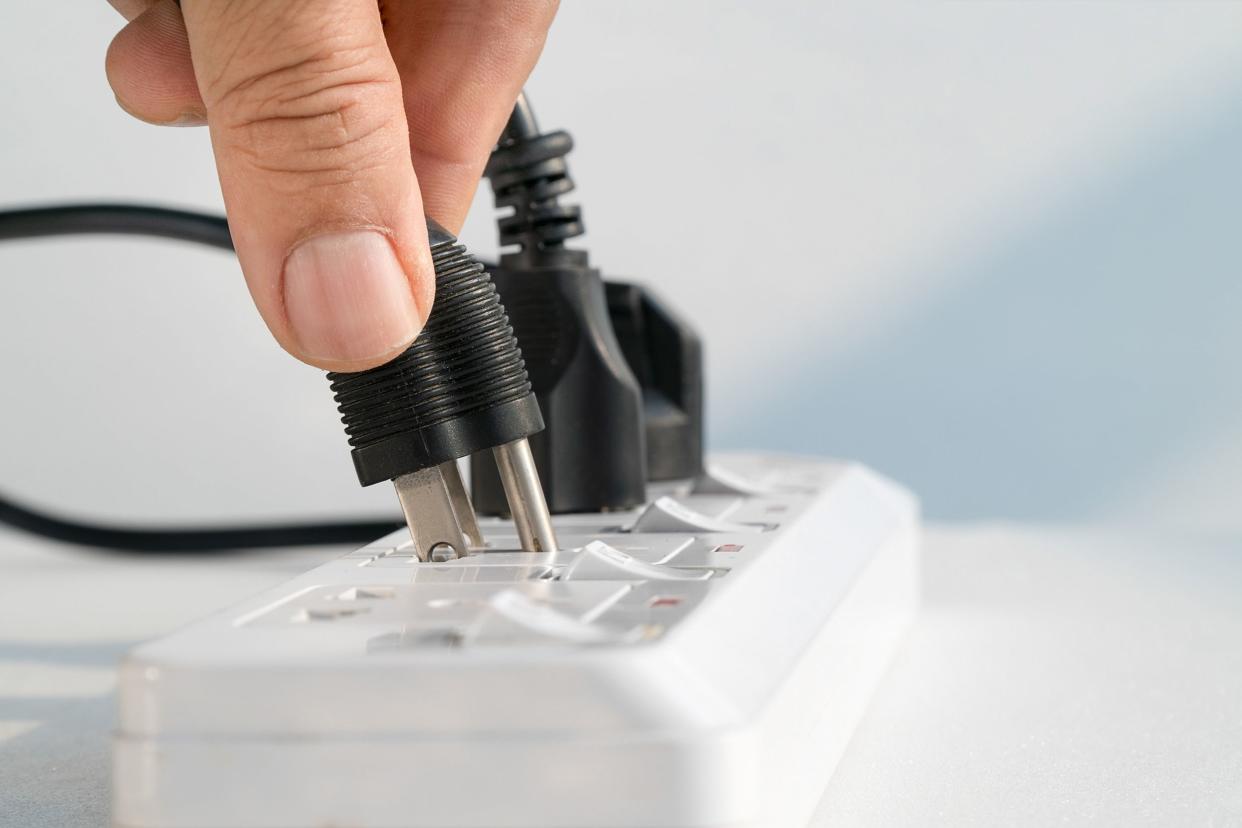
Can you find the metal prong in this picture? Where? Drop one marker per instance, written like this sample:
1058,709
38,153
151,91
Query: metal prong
466,518
429,512
525,495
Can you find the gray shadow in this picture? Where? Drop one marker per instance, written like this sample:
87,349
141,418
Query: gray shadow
95,654
58,773
1058,366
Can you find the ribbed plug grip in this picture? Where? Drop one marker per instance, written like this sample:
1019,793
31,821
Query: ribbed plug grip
529,174
460,388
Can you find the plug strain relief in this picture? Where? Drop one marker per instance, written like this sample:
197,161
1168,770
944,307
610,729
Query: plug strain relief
529,174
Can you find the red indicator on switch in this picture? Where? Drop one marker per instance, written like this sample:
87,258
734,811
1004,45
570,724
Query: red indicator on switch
728,547
665,601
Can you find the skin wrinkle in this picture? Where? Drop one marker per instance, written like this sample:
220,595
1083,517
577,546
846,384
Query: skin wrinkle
352,93
449,137
307,71
227,59
254,32
333,119
323,112
329,144
148,66
324,178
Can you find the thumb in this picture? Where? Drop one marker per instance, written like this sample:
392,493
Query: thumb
309,132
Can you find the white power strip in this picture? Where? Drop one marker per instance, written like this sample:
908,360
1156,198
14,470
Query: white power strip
699,662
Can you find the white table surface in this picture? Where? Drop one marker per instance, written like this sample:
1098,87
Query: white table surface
1052,676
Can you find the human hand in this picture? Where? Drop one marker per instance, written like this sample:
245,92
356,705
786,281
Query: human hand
335,125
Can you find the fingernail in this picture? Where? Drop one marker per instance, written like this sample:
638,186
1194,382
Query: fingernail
348,299
185,119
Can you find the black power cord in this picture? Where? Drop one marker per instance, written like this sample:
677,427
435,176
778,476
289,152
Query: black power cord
189,539
182,225
592,455
116,219
618,376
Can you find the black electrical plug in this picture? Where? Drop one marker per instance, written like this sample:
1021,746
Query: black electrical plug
460,389
592,456
666,356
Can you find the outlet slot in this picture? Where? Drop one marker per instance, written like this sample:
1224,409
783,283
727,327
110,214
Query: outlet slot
367,593
327,613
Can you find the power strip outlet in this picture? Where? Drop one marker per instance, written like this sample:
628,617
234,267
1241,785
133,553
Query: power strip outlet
701,661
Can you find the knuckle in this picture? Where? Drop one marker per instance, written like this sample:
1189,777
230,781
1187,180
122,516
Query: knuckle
324,111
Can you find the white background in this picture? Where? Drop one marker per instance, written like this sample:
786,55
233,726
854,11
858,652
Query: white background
992,250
